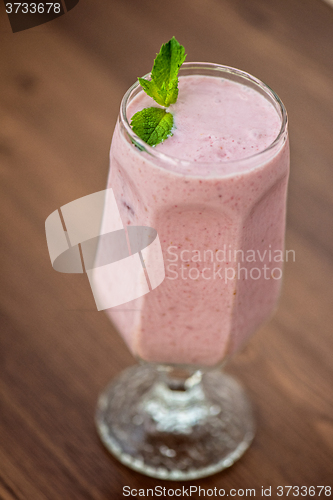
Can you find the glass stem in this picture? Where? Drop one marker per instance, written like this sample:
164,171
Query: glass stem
179,379
176,401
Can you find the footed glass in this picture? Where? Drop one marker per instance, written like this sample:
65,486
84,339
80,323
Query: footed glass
177,415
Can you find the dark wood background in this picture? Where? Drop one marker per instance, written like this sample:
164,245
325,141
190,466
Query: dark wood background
60,89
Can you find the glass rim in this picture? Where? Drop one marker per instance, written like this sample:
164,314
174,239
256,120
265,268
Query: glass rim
154,153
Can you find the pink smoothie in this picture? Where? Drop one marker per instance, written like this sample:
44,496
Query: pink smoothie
219,209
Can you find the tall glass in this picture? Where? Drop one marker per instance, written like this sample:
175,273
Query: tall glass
176,415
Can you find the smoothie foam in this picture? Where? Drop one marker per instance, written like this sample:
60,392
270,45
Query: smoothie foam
216,120
211,194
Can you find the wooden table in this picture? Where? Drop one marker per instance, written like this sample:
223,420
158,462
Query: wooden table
60,89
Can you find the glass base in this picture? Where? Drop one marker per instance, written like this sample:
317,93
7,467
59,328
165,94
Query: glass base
171,431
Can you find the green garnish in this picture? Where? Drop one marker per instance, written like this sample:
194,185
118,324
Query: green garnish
163,86
153,125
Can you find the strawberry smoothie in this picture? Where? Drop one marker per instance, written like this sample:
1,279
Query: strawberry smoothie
216,194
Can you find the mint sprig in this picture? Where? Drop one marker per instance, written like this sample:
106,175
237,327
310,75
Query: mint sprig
163,86
153,125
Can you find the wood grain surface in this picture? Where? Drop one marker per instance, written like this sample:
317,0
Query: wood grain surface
60,89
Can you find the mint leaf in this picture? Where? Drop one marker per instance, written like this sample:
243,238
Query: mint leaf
163,86
150,88
152,125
